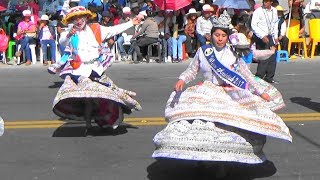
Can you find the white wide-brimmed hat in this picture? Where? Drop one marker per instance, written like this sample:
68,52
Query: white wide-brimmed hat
44,17
192,11
77,11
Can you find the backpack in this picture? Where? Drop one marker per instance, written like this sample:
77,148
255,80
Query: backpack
4,40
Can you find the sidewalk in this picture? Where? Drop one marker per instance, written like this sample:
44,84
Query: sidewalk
39,65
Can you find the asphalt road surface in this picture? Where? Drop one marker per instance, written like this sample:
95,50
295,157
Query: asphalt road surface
37,145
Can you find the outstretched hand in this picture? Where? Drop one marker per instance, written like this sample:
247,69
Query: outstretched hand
265,96
179,85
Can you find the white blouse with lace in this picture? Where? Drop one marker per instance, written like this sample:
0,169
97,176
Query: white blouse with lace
228,59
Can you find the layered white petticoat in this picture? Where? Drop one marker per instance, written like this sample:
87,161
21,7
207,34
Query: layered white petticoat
105,95
215,123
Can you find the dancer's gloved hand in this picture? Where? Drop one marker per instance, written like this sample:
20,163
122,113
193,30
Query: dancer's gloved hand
179,85
265,96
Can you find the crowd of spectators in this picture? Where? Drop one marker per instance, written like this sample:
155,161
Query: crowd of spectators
39,22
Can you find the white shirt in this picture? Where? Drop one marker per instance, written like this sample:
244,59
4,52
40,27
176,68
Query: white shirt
199,63
283,28
46,34
203,26
314,5
264,22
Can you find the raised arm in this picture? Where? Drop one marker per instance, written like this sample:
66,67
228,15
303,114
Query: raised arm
107,32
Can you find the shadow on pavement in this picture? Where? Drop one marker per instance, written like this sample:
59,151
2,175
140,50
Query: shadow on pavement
309,140
79,130
306,102
164,169
56,85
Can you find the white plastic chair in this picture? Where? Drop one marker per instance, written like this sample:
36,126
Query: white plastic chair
58,56
33,54
4,59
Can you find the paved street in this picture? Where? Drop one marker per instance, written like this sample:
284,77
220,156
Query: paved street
37,145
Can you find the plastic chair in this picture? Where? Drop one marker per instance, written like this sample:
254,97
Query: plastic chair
58,55
314,27
33,54
11,49
282,55
293,36
151,54
4,60
12,42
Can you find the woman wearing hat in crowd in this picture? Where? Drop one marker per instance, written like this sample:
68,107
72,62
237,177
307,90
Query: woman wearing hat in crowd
26,31
47,36
83,65
227,117
190,30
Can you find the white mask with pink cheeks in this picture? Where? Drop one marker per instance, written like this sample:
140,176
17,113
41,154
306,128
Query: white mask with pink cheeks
80,23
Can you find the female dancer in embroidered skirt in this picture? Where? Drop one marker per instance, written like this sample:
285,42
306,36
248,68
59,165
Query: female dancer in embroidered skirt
87,93
228,116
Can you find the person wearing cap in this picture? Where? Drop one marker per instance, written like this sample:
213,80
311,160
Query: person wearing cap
282,28
106,19
223,119
204,25
47,37
125,56
190,30
26,31
148,34
264,26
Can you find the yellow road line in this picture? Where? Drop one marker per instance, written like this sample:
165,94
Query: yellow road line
138,121
299,115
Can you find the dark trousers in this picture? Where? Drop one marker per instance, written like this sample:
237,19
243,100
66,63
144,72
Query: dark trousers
142,42
284,43
191,44
266,68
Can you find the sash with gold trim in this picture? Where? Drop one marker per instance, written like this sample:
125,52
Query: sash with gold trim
229,76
